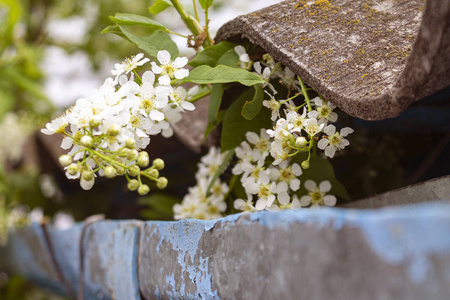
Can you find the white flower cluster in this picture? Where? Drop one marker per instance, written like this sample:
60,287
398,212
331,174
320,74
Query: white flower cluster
273,186
271,182
107,129
200,203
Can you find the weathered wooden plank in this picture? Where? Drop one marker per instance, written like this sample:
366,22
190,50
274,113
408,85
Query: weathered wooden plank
109,260
330,253
27,254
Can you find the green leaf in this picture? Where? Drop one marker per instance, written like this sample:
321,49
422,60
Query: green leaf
211,55
214,102
230,58
220,170
321,169
131,19
252,108
211,126
205,4
160,206
152,44
235,126
222,74
159,6
114,29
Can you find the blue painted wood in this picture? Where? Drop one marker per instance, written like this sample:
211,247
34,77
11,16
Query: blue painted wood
109,260
329,253
394,253
27,254
66,248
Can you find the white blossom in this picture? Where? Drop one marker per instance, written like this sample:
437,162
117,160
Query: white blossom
317,195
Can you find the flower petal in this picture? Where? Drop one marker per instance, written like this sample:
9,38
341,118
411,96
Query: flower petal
163,56
310,185
325,186
329,200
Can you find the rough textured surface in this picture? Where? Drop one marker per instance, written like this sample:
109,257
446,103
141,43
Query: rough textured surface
27,254
396,253
315,254
431,190
109,260
370,58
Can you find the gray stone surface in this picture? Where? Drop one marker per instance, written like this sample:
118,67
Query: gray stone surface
370,58
431,190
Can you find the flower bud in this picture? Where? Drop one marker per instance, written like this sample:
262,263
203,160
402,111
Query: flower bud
72,169
120,170
124,152
143,189
110,172
88,175
113,130
130,143
161,183
78,135
65,160
132,154
158,163
87,141
133,184
305,164
143,161
300,142
153,173
134,170
95,122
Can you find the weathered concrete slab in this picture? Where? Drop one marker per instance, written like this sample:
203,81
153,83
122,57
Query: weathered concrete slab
331,253
430,190
27,254
370,58
109,260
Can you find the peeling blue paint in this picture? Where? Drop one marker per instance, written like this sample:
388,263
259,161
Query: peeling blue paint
184,237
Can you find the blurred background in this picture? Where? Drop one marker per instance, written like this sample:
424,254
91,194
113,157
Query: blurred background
52,52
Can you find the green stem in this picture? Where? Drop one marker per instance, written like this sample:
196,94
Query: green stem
192,24
200,96
196,10
137,75
305,93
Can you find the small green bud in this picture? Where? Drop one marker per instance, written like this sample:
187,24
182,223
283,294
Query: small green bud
305,164
124,152
143,153
87,141
161,183
143,160
88,175
78,135
110,172
94,123
72,169
153,173
113,130
132,154
143,189
130,143
300,142
120,170
65,160
134,170
133,184
158,163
